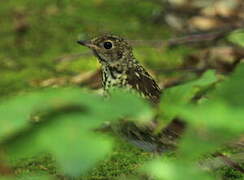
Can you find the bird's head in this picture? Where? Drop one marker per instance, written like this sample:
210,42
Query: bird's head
109,49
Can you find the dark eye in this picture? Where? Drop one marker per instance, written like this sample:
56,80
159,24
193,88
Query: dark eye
107,45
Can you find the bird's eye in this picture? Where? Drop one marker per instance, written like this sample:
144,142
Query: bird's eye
107,45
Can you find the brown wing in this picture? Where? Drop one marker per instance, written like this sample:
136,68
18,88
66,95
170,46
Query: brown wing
141,81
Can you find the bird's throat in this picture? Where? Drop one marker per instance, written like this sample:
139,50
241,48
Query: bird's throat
113,76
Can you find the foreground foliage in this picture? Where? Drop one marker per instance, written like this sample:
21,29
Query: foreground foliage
61,122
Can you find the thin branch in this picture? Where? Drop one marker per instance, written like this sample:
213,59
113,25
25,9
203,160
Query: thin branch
202,37
231,163
221,160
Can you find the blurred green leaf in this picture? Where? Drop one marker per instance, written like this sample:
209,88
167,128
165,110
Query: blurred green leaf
66,130
231,90
67,138
237,37
216,120
171,169
75,149
130,104
16,112
211,124
183,94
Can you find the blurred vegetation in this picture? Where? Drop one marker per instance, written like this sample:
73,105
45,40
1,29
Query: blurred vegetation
46,132
35,34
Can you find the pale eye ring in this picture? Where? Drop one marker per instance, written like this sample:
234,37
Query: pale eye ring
107,45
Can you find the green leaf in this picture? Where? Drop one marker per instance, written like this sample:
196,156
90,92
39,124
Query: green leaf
216,120
74,147
231,90
183,94
210,124
130,104
174,170
79,149
67,130
16,112
237,37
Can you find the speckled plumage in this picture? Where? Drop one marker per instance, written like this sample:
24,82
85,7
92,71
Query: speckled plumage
121,69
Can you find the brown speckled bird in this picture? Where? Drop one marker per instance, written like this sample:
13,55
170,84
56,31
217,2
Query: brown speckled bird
121,69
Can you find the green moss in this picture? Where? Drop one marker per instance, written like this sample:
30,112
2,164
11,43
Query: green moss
230,173
125,160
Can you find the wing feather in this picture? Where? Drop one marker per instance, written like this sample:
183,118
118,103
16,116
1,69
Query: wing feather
141,81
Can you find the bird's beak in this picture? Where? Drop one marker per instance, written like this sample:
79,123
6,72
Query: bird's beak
87,44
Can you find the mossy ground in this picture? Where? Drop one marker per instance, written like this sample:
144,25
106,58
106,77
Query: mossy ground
125,160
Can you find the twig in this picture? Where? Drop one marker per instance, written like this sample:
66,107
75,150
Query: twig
221,160
230,162
201,37
195,38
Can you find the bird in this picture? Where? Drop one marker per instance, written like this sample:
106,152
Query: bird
120,69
